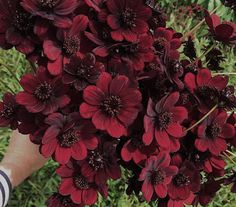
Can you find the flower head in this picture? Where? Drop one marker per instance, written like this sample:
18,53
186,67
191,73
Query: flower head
16,27
213,132
156,175
8,111
101,163
42,93
224,32
61,201
66,44
57,11
82,72
127,19
81,189
112,104
163,122
68,136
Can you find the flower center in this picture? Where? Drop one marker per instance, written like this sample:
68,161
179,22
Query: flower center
67,202
96,160
206,93
181,180
48,4
111,105
213,131
84,71
68,139
176,67
71,44
164,120
7,112
22,22
43,92
157,177
81,182
128,18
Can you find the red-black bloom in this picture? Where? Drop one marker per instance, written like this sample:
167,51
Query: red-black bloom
57,200
136,54
167,41
156,175
81,189
206,88
101,164
82,72
16,27
42,93
127,19
8,111
186,182
224,32
112,104
163,122
68,136
66,44
56,11
213,132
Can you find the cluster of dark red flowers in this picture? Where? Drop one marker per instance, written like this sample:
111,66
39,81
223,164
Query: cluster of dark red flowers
111,91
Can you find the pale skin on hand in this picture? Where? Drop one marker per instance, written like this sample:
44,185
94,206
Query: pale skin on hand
21,159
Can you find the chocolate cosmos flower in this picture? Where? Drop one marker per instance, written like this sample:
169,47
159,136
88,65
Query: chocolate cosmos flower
42,93
112,104
156,175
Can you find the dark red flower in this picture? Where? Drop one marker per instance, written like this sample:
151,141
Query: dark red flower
127,19
206,88
163,122
222,31
42,93
57,200
208,191
185,183
82,71
231,180
208,162
57,11
156,175
167,42
81,189
112,104
101,164
181,202
100,35
68,136
212,133
136,54
16,27
66,44
8,112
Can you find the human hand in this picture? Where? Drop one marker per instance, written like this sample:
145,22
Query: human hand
22,158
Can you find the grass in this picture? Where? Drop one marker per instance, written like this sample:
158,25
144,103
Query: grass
35,190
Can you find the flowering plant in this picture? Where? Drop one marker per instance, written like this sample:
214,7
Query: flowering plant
110,89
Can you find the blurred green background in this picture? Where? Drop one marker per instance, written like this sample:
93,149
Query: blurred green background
36,189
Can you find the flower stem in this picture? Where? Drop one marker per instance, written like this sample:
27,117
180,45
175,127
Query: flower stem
208,51
224,73
6,86
202,119
229,158
33,67
231,153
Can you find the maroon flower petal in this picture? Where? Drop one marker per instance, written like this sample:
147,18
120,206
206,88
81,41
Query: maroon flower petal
162,139
203,77
147,190
62,155
93,95
89,197
79,151
76,196
161,190
175,130
65,187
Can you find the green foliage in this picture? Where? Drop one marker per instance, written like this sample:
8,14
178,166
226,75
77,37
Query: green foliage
35,190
